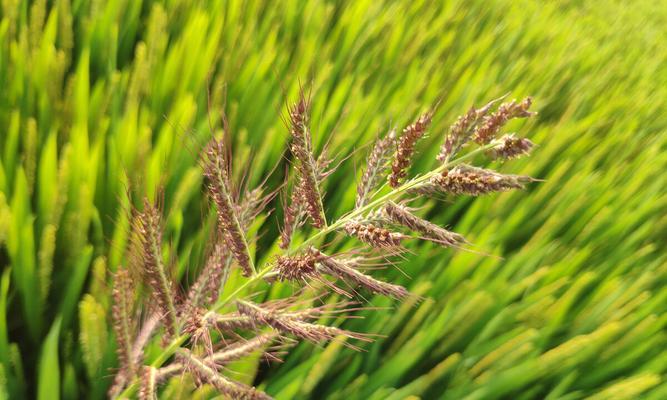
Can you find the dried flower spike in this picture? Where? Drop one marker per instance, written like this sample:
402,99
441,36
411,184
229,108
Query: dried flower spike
476,181
301,148
402,216
374,235
492,123
375,167
406,148
215,171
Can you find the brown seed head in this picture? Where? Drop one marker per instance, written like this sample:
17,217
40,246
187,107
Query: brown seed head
406,148
402,216
375,167
301,148
297,267
373,235
205,372
345,271
512,147
476,181
491,124
228,219
301,329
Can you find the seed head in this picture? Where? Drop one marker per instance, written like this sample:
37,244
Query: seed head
512,147
491,124
121,311
402,216
345,271
206,373
301,148
228,213
375,167
297,267
461,131
149,234
476,181
374,235
406,148
290,326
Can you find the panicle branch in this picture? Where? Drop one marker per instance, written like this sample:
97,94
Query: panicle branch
406,148
205,373
472,181
121,311
149,233
461,131
291,326
301,147
402,216
492,123
219,186
375,167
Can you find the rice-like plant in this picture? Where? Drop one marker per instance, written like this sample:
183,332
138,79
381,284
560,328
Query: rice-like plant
203,333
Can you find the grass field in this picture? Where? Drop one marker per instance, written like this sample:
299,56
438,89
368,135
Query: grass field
103,98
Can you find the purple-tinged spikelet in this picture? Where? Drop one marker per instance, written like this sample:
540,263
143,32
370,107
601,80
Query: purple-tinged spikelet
402,216
301,148
461,131
290,326
374,235
476,181
512,147
344,271
296,267
206,373
121,311
491,124
375,167
148,384
206,288
215,170
406,147
149,233
229,353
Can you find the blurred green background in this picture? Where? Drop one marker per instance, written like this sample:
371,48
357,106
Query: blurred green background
106,97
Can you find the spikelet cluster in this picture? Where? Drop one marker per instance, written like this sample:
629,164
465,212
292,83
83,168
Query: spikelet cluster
402,216
373,235
149,233
461,131
301,147
492,123
215,170
375,165
121,311
206,373
512,147
293,326
473,181
405,148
